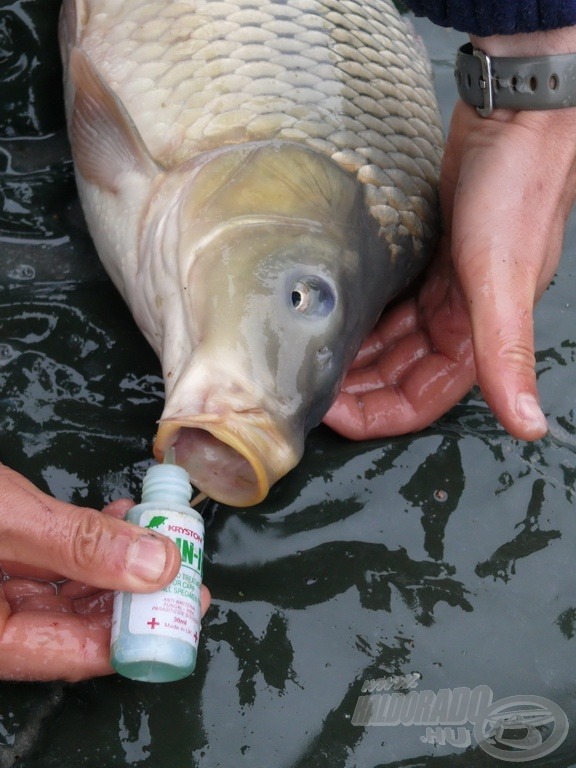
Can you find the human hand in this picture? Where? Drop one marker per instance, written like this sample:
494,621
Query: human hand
62,632
507,186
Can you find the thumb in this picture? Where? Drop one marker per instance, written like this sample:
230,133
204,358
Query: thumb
504,356
79,543
505,248
501,297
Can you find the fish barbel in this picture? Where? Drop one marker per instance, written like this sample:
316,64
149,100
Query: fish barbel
259,179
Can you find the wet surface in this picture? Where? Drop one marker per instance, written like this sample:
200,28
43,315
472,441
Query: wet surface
446,556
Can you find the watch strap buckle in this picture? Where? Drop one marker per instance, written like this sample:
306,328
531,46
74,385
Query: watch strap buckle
486,83
536,82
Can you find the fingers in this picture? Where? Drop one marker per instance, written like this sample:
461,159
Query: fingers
398,323
205,598
391,350
424,394
505,360
54,645
46,636
22,592
118,508
417,365
78,543
500,286
43,638
508,217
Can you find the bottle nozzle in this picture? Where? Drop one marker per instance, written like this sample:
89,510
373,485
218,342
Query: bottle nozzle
170,456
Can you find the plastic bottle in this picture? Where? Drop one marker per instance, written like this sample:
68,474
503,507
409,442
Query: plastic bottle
155,636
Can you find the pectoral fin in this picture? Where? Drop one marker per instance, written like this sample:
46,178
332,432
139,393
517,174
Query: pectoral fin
105,141
72,19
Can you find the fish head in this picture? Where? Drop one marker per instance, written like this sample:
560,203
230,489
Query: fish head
276,306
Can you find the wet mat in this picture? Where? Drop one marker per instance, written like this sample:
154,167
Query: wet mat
382,596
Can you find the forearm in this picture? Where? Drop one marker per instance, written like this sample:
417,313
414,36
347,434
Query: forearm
543,43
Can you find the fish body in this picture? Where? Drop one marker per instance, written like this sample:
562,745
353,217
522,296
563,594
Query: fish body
259,179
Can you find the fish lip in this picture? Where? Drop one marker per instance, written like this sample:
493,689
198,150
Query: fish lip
248,440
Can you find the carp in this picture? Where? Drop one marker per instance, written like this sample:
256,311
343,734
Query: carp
259,179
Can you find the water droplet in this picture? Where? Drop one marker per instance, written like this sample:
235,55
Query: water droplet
75,342
7,353
22,272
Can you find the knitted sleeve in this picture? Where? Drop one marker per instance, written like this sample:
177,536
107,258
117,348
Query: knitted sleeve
497,17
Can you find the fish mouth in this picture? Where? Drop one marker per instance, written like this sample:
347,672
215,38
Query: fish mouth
233,461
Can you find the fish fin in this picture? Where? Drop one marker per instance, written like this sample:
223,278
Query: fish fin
72,19
104,138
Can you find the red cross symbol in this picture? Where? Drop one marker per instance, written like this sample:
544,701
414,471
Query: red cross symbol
153,623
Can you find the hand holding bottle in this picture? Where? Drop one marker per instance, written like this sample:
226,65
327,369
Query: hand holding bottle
62,632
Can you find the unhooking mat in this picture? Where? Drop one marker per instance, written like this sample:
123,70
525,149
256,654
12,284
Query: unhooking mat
392,603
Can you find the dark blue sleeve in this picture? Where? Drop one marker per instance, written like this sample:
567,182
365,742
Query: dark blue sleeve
497,17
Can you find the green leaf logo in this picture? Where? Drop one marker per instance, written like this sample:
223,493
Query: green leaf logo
156,522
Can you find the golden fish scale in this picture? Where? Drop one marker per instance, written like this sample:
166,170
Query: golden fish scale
198,75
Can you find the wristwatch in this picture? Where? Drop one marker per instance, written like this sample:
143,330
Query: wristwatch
536,82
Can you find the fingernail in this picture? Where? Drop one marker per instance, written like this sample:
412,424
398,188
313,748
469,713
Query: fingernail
528,409
146,558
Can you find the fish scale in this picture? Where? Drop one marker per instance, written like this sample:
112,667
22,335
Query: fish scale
195,76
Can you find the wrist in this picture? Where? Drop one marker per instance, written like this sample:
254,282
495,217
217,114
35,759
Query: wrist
533,71
549,43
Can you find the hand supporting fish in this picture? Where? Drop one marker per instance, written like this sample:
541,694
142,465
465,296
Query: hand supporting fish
259,180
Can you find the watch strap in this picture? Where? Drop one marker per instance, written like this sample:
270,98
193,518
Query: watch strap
536,82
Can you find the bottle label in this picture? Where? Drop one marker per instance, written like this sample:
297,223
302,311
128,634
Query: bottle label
175,610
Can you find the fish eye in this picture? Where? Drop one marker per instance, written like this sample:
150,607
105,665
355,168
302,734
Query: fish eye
312,297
